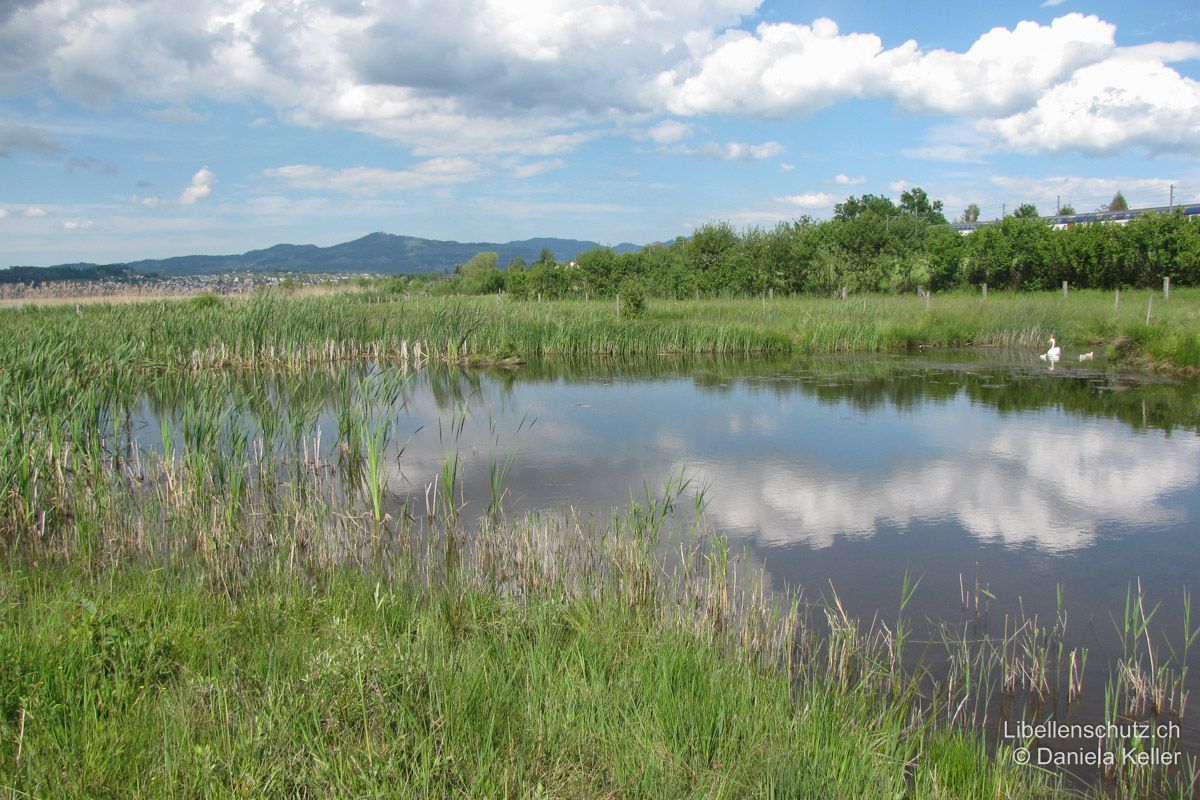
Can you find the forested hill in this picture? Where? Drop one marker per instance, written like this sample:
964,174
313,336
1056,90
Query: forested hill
376,253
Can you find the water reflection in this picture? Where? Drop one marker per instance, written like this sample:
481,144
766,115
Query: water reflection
790,453
1014,481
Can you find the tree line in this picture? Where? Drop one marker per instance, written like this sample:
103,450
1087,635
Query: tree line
870,245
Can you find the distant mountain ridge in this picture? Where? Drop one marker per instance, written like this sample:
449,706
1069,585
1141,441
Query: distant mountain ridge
385,253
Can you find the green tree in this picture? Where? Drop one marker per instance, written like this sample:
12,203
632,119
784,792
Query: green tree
601,270
971,214
1066,211
1026,211
480,275
711,253
856,206
916,202
944,247
1118,203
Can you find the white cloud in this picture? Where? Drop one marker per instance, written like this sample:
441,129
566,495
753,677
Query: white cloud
1108,107
538,167
76,224
1052,3
472,75
1002,72
782,69
736,151
811,200
785,167
3,213
841,179
1057,87
200,188
153,201
374,180
900,185
34,212
491,78
669,131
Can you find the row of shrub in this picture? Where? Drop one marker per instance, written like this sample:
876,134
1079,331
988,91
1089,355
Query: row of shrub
872,251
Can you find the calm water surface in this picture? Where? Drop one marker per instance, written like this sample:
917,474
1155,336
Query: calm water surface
854,470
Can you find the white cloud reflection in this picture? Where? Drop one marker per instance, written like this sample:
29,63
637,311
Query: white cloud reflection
1032,485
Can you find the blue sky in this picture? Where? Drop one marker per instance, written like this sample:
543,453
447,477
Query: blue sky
147,129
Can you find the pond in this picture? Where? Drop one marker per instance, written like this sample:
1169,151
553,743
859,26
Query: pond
993,472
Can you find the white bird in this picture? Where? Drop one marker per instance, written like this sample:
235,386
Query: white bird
1087,356
1054,353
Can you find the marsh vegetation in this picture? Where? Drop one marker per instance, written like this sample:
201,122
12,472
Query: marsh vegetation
238,599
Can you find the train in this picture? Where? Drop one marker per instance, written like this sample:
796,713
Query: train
1062,221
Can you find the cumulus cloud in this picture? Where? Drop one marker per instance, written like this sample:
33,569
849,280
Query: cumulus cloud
783,69
76,224
1057,87
375,180
200,188
22,138
841,179
1108,107
34,212
470,76
1002,72
3,213
484,77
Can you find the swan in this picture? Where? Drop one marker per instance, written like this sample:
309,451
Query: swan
1054,353
1087,356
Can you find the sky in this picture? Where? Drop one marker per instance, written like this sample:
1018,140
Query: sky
135,129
